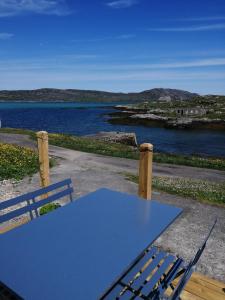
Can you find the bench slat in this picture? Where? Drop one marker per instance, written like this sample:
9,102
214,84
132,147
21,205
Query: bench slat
157,275
137,268
12,214
177,265
32,195
160,256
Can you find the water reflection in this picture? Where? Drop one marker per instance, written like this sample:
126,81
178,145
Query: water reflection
145,212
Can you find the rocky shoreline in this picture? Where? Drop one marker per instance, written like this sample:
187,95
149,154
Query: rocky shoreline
127,115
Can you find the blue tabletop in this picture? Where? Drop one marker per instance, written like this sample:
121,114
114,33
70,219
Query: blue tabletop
77,251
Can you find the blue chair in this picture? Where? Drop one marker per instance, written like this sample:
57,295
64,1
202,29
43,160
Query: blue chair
31,202
151,276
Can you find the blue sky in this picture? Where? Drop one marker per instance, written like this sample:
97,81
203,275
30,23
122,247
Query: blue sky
113,45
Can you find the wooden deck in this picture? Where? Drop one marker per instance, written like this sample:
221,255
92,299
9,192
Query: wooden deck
201,287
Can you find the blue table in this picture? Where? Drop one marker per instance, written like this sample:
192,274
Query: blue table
77,251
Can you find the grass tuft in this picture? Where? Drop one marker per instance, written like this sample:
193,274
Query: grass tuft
203,191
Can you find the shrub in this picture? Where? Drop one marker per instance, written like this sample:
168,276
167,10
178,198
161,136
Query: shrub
16,162
48,208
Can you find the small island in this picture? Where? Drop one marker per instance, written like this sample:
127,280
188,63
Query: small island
206,112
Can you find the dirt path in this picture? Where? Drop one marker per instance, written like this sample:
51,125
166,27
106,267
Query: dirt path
90,172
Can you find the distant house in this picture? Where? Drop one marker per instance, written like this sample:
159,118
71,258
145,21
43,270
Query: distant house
195,111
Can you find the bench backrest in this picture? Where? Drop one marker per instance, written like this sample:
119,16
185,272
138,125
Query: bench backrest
31,201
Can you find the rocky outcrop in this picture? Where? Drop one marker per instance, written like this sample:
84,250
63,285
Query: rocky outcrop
196,123
180,123
116,137
149,117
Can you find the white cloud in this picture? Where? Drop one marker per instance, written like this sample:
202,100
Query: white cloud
16,7
5,36
121,3
190,28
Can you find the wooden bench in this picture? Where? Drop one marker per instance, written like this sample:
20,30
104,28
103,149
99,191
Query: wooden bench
27,206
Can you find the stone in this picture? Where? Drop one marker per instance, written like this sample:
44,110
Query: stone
180,123
149,117
116,137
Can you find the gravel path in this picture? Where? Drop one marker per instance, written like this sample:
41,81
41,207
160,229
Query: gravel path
90,172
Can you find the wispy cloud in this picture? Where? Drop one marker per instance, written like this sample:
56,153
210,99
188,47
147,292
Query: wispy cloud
205,18
126,36
5,36
77,62
62,73
220,26
210,62
105,38
214,53
77,56
16,7
121,3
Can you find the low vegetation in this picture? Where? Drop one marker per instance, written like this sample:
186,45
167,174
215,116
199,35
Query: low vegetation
214,105
16,162
204,191
93,146
48,208
123,151
191,160
118,150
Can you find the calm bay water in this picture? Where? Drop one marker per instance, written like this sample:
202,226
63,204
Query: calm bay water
89,118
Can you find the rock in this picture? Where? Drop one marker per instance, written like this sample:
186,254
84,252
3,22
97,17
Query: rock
131,108
193,122
180,123
116,137
122,107
157,111
149,117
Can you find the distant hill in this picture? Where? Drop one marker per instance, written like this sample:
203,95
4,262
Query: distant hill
71,95
170,94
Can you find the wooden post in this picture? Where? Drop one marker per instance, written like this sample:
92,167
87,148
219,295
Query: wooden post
42,138
145,171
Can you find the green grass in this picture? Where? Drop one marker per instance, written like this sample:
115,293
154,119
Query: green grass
191,160
18,131
123,151
93,146
17,162
203,191
48,208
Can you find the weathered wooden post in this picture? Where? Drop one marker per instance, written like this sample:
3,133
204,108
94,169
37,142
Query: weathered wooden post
42,138
145,171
